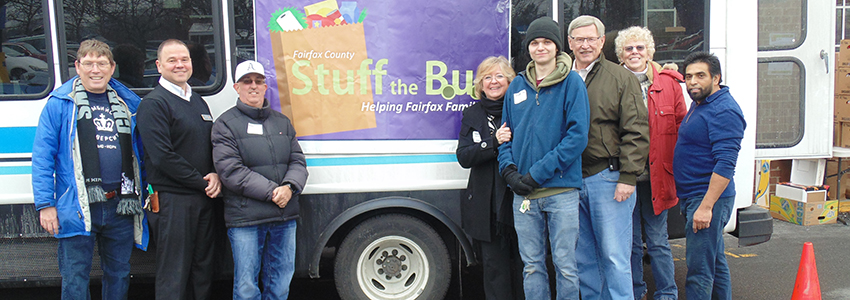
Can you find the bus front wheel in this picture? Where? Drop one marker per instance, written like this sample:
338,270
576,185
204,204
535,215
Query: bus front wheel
392,256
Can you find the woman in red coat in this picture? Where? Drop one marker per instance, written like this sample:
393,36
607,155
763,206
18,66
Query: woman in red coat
656,190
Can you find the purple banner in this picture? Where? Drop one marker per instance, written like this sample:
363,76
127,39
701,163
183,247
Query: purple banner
376,70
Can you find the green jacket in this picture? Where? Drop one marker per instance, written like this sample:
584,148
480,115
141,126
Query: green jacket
618,122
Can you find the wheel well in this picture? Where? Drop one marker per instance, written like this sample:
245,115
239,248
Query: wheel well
340,233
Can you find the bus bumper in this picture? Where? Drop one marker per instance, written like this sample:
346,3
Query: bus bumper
754,226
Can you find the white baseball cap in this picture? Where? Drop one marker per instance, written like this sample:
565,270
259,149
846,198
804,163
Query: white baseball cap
248,67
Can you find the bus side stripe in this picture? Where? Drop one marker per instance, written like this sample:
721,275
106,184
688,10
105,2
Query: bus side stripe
17,139
381,160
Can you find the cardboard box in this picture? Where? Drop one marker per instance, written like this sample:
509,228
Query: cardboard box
842,108
799,194
806,172
762,190
845,135
844,205
806,214
843,58
842,81
836,133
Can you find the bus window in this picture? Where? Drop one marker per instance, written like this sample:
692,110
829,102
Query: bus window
781,88
780,24
135,31
25,63
842,22
678,26
243,11
522,13
782,79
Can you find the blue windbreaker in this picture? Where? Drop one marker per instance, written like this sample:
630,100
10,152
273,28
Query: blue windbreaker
57,174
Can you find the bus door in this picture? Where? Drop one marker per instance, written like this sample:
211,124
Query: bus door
795,79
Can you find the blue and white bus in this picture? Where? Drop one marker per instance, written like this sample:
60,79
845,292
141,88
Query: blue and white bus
383,175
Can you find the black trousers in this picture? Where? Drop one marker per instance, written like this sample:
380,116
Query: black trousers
183,233
502,266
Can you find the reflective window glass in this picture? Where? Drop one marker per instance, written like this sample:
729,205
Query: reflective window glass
846,23
780,24
523,12
25,60
135,28
839,17
781,103
678,26
244,25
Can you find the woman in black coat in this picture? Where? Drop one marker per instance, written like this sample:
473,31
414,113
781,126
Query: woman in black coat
486,210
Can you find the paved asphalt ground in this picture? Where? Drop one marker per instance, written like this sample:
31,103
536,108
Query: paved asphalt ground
766,271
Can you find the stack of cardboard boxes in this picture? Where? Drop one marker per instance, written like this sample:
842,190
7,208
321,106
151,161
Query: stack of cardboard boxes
841,117
804,201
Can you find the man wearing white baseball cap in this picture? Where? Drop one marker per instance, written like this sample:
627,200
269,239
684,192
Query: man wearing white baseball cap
261,187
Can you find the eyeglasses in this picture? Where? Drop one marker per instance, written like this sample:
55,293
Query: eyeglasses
638,48
183,60
581,40
490,78
247,81
89,65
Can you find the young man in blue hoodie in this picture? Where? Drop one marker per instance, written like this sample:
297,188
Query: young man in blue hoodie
546,108
703,165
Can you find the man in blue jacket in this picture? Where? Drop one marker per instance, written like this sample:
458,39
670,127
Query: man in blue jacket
703,165
86,176
546,108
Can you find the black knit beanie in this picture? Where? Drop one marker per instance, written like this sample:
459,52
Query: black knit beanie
544,27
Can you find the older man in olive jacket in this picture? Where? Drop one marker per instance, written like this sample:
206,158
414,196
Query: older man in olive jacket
617,148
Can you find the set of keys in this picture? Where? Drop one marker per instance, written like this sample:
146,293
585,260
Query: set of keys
524,206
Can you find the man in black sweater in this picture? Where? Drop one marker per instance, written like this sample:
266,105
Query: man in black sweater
175,125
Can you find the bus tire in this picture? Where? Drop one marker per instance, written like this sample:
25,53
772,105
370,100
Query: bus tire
392,256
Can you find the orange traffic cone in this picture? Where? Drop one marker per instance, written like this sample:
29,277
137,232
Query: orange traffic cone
808,285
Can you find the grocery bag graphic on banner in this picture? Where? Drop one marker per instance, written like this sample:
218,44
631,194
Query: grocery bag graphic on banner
318,55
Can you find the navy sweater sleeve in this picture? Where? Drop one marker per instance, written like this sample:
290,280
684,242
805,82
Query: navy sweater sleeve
725,131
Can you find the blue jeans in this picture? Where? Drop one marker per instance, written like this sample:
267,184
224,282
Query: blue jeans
605,239
114,236
554,218
708,272
657,247
270,246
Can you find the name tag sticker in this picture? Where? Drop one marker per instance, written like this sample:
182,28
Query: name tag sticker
206,117
520,96
476,137
255,128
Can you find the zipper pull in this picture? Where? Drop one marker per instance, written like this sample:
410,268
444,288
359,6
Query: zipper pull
536,96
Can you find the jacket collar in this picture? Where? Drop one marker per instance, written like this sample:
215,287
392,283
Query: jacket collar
66,89
253,112
563,65
601,60
719,93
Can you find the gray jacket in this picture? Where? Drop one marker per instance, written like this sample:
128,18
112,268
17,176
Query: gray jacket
251,165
